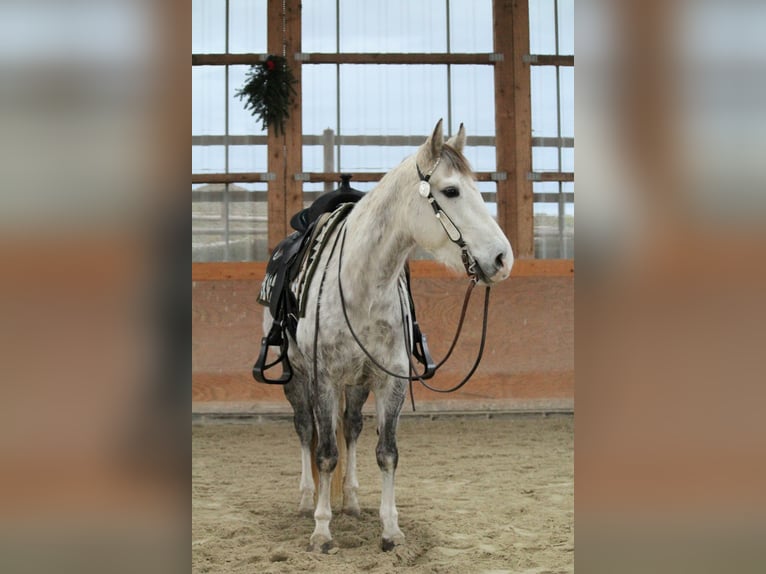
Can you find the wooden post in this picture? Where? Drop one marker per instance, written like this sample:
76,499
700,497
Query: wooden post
277,227
285,153
294,124
525,222
513,130
328,146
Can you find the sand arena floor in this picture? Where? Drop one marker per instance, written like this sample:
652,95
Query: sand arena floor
474,493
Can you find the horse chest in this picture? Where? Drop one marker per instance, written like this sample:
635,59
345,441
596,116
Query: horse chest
341,357
379,335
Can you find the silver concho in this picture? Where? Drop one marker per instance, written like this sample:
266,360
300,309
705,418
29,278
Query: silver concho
424,189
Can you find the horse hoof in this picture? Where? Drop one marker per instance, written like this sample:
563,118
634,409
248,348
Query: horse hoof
355,512
323,547
321,542
388,544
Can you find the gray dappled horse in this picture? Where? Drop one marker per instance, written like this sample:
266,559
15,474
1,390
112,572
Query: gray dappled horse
376,239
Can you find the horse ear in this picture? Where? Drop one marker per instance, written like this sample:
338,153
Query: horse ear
458,141
436,140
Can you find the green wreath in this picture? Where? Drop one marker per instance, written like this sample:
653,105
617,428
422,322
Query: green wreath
269,92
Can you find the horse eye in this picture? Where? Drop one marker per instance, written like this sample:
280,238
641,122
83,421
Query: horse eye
451,192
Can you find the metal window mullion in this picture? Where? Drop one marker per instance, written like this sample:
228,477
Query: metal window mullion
561,203
337,84
449,73
337,117
226,147
556,24
559,155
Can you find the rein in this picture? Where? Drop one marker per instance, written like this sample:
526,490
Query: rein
416,377
473,271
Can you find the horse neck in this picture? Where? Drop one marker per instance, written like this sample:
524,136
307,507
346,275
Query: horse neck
379,238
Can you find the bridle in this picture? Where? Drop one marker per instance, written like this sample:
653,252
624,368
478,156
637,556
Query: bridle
452,230
422,355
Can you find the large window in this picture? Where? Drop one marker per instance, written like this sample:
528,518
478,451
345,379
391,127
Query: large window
228,217
551,25
367,117
375,77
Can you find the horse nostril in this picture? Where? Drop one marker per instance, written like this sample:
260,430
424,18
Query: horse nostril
500,260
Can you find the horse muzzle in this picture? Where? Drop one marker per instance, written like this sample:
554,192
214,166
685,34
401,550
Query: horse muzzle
496,270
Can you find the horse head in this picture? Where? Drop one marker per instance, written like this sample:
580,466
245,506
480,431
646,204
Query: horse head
451,220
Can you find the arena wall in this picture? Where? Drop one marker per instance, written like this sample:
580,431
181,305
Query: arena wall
528,363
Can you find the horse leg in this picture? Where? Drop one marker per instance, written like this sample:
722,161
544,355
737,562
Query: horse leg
325,411
297,394
388,401
352,427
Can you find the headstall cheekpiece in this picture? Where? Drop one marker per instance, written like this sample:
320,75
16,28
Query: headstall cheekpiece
452,230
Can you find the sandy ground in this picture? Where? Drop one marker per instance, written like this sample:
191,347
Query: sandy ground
475,494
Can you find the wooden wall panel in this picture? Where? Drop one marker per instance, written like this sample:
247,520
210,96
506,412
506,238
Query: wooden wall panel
254,270
528,362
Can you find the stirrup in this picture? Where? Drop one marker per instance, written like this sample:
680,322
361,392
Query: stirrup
276,337
421,352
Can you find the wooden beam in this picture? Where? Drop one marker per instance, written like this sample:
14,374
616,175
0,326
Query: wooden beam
216,194
317,177
342,58
363,140
398,58
522,102
549,60
229,140
294,124
550,176
244,177
505,118
313,177
254,271
276,210
231,59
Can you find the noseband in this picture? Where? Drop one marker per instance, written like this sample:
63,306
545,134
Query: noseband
452,230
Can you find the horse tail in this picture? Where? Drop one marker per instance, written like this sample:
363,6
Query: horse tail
314,467
338,477
336,489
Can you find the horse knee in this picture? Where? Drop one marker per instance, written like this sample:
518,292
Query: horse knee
304,426
387,455
327,456
352,426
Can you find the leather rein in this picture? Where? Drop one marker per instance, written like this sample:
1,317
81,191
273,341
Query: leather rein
421,354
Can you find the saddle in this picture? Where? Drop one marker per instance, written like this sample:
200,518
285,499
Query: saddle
294,260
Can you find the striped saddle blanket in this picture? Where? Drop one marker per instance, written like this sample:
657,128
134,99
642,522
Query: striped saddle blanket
292,266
